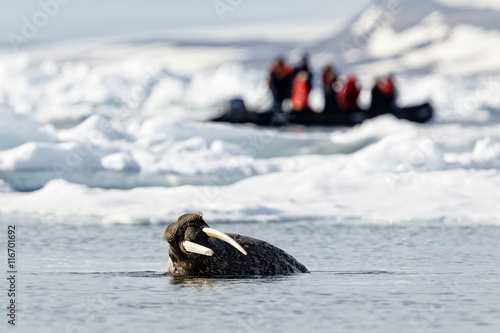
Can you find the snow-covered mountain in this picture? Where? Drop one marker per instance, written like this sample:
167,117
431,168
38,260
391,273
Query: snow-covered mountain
451,37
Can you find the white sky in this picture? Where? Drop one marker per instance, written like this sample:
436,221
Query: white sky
73,19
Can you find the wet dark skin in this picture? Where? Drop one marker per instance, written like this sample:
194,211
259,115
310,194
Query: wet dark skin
262,258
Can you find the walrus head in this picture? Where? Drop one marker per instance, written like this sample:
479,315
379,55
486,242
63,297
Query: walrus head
192,242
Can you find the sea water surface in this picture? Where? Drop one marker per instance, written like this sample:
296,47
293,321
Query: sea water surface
365,277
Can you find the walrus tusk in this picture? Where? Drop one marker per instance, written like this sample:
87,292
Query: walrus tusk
197,248
220,235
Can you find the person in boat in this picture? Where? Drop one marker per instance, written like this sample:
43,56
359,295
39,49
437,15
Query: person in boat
390,89
347,97
329,79
383,96
300,92
301,85
379,102
303,66
280,82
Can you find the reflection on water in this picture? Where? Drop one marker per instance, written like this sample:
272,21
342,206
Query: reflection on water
227,281
364,272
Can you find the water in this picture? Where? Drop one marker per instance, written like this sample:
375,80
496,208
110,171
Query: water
87,277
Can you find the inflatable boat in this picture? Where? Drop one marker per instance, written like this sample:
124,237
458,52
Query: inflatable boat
236,112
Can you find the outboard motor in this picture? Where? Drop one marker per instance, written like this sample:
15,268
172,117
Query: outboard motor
236,110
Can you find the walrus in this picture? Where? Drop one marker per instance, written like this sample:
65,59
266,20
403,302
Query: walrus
195,249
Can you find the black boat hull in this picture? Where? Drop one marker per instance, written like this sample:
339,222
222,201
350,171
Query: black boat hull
236,113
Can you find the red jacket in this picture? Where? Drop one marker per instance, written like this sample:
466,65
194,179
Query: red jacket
388,89
281,72
329,77
347,97
300,92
